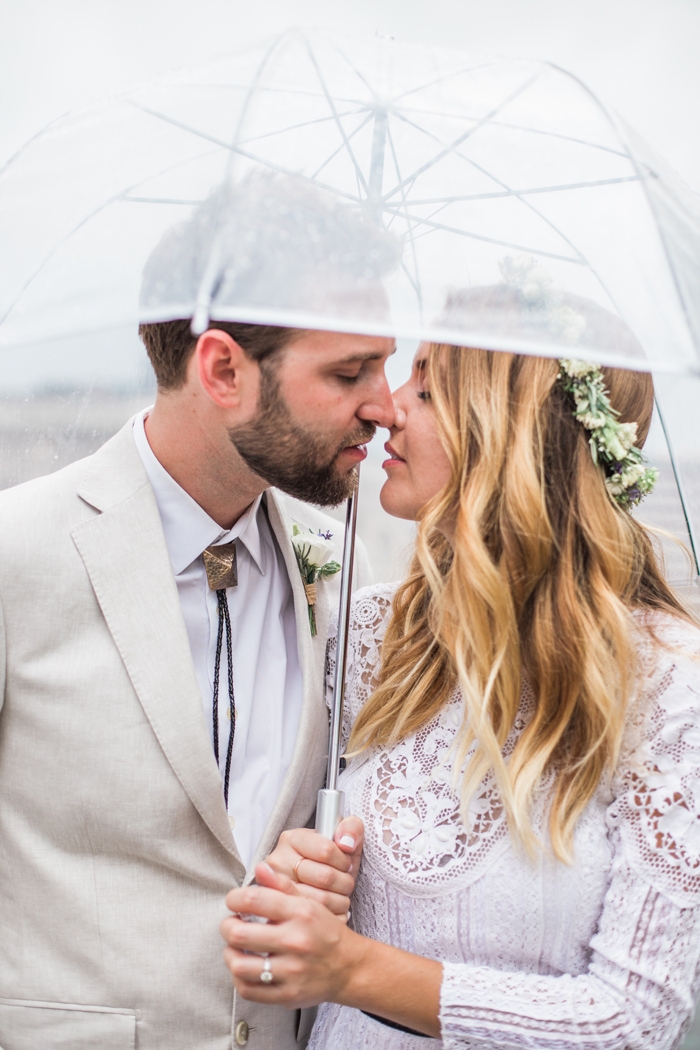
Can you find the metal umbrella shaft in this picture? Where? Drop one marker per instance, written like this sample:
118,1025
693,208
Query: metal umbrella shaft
329,808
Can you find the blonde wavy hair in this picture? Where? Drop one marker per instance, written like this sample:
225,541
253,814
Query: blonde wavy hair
537,582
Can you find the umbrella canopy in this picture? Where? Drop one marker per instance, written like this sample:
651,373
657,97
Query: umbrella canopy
486,172
368,187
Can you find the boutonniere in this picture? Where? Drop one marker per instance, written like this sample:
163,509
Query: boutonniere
313,551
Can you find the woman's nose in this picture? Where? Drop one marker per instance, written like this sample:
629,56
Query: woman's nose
398,397
399,416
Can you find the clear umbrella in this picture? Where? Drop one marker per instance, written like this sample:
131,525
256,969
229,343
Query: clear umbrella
465,160
370,187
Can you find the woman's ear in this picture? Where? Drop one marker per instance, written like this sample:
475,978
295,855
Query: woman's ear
226,373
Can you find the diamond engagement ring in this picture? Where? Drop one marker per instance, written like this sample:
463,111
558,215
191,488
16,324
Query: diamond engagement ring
266,975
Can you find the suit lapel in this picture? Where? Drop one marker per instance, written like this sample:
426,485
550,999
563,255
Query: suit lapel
125,554
297,800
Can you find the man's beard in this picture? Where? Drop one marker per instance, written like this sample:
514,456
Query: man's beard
297,461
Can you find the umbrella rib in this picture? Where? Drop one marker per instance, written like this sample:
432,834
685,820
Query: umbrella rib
417,283
357,72
237,149
199,134
335,152
122,195
680,484
421,87
465,135
527,192
160,200
414,284
57,245
583,261
336,118
532,208
494,240
515,127
302,124
447,76
274,44
526,204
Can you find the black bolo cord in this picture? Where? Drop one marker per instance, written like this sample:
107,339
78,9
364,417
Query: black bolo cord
224,620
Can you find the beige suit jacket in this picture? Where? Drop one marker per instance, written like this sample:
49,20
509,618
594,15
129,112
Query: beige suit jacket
115,847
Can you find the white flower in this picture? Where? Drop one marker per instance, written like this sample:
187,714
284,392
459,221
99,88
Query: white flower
627,433
614,447
578,369
315,549
615,488
632,474
590,421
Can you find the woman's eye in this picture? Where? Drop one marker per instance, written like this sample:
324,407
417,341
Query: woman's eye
424,395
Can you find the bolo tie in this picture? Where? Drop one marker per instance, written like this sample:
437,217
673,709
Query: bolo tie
222,572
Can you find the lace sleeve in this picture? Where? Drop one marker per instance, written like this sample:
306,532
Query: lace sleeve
639,991
657,786
369,614
642,981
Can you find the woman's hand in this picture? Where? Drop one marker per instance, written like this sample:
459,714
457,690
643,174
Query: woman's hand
313,958
322,870
310,951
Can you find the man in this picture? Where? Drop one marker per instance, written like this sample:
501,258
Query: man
162,715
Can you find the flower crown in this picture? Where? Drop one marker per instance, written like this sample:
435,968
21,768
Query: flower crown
612,443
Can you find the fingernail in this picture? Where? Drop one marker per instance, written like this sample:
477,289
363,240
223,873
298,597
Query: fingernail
347,840
266,865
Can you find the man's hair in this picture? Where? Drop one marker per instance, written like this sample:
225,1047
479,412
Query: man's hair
170,345
270,243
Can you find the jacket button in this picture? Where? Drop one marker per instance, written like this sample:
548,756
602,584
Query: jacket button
242,1033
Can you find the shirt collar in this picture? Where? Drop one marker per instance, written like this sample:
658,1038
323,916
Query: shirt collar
187,527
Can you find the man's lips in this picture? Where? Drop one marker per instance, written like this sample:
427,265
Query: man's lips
355,452
394,457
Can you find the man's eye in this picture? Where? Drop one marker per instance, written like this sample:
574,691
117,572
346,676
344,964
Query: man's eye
348,379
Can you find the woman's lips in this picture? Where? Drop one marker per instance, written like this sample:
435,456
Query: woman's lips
394,458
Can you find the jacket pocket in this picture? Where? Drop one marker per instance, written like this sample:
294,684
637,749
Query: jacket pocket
26,1024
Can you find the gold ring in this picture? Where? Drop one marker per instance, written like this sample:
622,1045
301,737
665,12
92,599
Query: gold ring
295,869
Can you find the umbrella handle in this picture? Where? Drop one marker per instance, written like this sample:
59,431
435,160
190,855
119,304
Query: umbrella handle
329,808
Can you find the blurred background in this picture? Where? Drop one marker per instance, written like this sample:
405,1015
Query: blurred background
639,56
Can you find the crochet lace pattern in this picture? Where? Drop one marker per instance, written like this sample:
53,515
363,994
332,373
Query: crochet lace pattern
601,954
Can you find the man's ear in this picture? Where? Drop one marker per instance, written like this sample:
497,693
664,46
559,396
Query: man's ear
226,373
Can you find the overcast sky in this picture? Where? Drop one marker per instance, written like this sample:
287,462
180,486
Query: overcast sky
641,56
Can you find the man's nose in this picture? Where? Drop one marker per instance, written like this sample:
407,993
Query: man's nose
379,408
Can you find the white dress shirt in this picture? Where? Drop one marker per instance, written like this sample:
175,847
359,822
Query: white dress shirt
266,673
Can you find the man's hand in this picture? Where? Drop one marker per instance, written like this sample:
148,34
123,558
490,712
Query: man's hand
319,869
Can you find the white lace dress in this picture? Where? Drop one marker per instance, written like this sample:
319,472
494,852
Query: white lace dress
602,954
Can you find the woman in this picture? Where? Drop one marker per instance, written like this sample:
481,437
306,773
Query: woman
525,740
